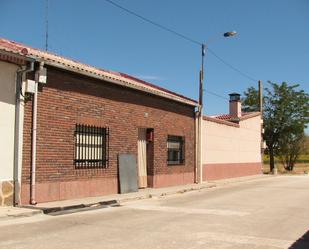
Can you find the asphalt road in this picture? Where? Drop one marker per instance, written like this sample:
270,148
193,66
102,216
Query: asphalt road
264,213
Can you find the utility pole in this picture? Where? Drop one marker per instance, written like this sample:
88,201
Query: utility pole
46,26
261,112
261,97
199,151
200,118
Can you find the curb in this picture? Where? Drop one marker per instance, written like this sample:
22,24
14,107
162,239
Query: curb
116,202
166,193
60,210
74,208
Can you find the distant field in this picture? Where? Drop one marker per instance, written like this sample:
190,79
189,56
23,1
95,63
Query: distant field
301,159
300,168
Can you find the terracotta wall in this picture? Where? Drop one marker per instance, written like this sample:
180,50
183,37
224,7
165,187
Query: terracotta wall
68,99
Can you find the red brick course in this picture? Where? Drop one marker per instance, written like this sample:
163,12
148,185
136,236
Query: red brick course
230,170
69,98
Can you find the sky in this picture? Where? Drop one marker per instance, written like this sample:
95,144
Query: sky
272,42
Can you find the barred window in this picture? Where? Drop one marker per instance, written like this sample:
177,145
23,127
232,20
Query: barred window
91,147
175,150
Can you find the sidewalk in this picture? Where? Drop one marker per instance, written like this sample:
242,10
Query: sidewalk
115,199
84,204
14,212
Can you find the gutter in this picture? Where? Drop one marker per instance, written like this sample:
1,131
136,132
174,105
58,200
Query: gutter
16,176
34,136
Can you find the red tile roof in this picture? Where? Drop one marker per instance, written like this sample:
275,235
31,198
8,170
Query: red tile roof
122,78
244,115
229,117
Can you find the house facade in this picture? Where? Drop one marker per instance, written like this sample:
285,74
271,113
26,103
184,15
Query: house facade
7,131
231,143
11,116
66,126
80,119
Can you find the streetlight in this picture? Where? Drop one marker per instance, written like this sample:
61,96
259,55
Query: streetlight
204,47
200,109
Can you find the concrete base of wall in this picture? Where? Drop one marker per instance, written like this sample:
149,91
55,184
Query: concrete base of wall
166,180
230,170
6,193
55,191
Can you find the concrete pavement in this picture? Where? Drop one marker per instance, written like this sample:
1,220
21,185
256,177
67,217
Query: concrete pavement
85,204
16,212
104,201
258,214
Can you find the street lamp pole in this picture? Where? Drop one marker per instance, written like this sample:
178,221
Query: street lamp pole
199,172
202,76
200,118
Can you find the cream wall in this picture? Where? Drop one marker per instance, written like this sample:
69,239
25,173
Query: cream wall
228,144
7,119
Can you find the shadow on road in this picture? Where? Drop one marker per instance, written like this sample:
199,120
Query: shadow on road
302,242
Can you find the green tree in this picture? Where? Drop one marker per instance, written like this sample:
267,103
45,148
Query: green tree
285,115
305,148
250,101
290,147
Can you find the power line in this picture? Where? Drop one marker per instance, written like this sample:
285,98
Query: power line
231,66
215,94
46,25
185,38
154,23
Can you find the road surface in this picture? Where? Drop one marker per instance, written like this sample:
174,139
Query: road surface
264,213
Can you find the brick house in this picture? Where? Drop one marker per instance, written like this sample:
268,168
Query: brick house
64,126
84,117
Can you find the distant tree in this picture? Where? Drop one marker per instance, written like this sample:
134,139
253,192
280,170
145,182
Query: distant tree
305,147
290,147
285,115
250,101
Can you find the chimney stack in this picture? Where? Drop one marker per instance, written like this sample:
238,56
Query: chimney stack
235,105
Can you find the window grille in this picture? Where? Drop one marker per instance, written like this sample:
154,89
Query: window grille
175,150
91,147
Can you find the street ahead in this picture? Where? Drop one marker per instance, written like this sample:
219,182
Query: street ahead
263,213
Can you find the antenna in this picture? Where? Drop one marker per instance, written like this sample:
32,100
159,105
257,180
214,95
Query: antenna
46,25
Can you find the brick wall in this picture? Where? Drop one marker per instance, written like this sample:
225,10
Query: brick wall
68,99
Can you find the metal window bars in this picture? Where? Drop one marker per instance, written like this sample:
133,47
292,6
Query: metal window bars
91,147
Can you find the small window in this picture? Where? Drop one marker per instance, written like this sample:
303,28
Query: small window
91,147
175,150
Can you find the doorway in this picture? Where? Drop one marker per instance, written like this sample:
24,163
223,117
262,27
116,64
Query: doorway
145,157
142,157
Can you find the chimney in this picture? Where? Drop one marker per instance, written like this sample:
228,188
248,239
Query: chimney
235,105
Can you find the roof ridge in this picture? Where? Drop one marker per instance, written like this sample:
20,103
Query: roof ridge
51,56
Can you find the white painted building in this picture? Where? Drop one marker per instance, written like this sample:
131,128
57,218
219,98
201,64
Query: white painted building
7,130
11,123
231,143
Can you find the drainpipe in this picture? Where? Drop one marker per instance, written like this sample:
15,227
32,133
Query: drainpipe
16,176
199,151
34,135
196,173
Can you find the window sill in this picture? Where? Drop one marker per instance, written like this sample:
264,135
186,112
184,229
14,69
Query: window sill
175,163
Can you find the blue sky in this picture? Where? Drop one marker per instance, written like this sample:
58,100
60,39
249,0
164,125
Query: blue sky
272,41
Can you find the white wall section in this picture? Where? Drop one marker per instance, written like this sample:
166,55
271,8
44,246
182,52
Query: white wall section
7,119
222,143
